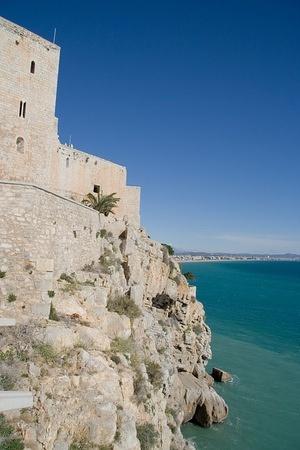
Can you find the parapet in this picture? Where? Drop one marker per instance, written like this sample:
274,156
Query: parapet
22,32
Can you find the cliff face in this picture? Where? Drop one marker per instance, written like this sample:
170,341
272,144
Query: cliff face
120,363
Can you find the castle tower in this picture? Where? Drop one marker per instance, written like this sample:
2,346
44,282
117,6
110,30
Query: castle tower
28,82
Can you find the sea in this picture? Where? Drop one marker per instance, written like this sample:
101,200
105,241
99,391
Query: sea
253,309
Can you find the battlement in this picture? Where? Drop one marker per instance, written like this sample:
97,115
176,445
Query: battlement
24,33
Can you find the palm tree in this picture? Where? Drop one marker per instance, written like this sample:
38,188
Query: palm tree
104,204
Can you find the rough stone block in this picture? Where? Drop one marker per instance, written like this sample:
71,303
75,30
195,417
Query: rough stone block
45,265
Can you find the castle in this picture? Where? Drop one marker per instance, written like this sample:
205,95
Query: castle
30,151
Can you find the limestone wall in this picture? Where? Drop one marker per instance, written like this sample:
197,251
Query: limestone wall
29,147
46,235
36,126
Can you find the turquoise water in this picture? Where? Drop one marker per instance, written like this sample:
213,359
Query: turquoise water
253,309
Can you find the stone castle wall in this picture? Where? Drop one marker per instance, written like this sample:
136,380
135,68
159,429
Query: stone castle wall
36,126
29,146
75,173
41,236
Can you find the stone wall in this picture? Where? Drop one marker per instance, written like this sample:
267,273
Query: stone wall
41,236
75,173
29,147
27,137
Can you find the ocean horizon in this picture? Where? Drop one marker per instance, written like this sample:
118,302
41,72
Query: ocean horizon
252,308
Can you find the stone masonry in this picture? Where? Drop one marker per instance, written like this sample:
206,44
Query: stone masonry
30,150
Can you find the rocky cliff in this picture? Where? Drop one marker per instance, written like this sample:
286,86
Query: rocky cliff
120,363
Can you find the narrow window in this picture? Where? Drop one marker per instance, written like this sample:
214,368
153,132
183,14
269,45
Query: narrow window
20,144
96,188
67,162
20,109
24,110
32,67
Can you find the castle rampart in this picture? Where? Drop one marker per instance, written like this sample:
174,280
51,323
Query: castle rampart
30,150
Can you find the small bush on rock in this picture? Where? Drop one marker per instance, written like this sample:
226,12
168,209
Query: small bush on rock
53,314
8,438
155,374
51,294
2,274
6,383
109,259
197,329
121,345
11,298
169,248
124,305
89,267
147,435
47,352
72,284
189,276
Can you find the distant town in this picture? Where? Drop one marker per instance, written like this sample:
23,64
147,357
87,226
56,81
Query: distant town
204,257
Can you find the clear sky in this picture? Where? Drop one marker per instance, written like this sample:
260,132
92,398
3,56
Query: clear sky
199,99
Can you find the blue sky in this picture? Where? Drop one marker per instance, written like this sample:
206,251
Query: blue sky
199,99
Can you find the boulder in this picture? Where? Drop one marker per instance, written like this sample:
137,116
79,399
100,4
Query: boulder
59,337
191,394
103,428
212,410
93,338
220,375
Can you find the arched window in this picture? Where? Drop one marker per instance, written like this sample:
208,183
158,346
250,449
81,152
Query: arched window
32,67
20,144
67,162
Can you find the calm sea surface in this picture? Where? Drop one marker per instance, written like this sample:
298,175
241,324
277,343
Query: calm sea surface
253,309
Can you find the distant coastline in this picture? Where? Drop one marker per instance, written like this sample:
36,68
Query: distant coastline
184,258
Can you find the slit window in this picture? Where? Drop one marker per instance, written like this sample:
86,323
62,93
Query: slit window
96,189
24,110
20,144
32,67
20,109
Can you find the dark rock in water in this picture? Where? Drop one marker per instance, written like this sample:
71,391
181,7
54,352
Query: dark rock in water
220,375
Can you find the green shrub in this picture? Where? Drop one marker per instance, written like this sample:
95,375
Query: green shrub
72,284
11,298
147,435
53,314
171,412
47,352
2,274
8,439
102,233
121,345
109,259
89,267
6,430
51,294
7,355
169,248
155,374
124,305
189,276
12,444
66,277
116,359
6,383
197,329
